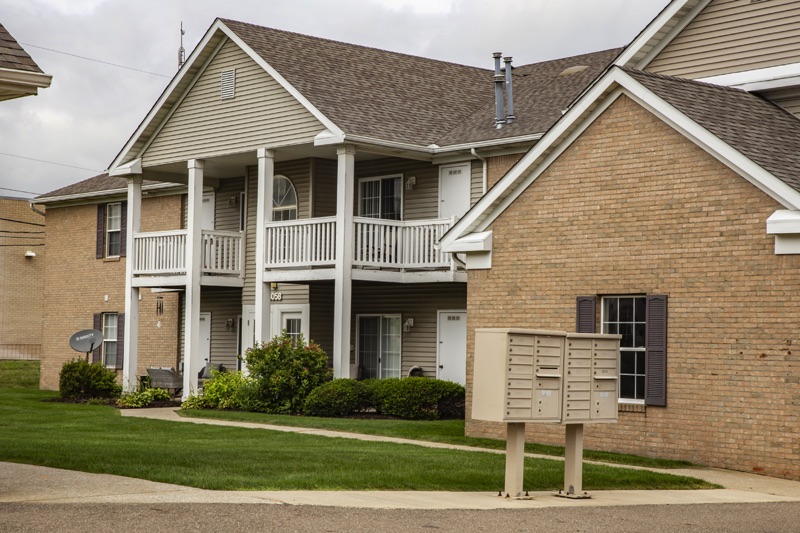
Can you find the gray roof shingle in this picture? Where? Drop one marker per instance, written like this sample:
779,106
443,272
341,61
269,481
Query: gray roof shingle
12,56
96,184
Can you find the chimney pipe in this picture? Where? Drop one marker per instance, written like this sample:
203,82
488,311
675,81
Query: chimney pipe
499,120
509,98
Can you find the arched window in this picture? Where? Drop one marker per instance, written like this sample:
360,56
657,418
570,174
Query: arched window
284,199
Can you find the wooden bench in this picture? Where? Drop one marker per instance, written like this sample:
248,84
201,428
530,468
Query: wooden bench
166,378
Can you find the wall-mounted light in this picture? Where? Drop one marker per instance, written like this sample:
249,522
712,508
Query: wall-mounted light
408,324
410,182
30,254
233,201
229,324
273,286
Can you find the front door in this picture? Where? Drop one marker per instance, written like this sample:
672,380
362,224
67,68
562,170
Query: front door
205,338
452,346
290,317
454,190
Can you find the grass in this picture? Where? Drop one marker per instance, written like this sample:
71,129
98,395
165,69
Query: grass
95,438
19,374
445,431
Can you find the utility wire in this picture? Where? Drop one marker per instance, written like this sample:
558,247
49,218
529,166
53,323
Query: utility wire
17,190
96,60
48,162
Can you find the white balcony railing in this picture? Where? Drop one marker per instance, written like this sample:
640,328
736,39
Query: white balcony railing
300,243
162,253
376,243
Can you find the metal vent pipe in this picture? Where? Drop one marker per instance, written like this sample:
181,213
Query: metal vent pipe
509,94
499,120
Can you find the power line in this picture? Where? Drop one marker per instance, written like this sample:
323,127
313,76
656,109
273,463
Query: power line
17,190
95,60
49,163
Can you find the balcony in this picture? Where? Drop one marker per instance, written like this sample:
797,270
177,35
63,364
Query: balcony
377,244
162,254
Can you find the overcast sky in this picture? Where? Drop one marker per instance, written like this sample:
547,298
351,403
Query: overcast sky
88,113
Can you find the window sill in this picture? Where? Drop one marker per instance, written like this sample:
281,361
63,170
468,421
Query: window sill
111,259
631,407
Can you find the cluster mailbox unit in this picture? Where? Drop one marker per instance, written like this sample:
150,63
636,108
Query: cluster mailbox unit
525,375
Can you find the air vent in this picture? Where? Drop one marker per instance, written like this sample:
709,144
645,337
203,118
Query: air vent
228,84
573,70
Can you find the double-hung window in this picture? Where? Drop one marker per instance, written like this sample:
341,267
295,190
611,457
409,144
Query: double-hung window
111,229
381,197
379,346
112,326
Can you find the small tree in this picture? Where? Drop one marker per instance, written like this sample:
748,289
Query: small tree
286,370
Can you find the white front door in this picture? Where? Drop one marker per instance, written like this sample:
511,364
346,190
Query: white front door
290,317
454,190
208,211
452,346
205,338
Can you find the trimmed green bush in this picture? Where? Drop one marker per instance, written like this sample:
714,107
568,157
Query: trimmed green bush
417,398
80,380
286,372
221,391
143,398
337,398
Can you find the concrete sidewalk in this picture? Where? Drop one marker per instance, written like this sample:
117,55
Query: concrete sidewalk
34,484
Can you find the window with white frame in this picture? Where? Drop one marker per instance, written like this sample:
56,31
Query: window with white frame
379,345
284,199
381,197
113,229
110,327
627,316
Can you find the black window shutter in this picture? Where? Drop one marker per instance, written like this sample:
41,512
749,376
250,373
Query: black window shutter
655,390
121,339
123,228
100,251
97,354
585,314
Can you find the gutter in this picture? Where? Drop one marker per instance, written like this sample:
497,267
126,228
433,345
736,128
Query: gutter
33,208
99,194
434,149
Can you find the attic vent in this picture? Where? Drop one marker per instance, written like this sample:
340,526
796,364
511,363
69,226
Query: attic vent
228,84
573,70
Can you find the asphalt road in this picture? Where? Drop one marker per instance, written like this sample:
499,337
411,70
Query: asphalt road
172,518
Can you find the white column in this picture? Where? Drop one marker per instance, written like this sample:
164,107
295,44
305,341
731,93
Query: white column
192,358
266,174
131,342
345,192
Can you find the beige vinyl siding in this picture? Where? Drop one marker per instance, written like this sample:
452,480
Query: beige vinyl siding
298,172
224,304
249,289
419,203
789,99
418,301
261,114
324,188
320,330
733,36
226,216
476,182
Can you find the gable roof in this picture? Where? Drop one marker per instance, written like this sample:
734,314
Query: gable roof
96,186
367,94
757,139
19,73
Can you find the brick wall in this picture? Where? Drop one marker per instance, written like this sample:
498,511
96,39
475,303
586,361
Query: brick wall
635,208
77,285
498,166
21,280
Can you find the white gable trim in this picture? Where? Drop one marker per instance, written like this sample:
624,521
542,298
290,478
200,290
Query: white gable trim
761,79
615,83
187,69
660,32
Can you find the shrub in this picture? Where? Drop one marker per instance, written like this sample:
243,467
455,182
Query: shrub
417,398
286,372
339,397
194,402
80,380
221,391
143,398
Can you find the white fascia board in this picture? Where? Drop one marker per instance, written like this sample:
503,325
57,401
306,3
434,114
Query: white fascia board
474,242
783,222
130,168
100,194
723,152
650,35
281,80
25,78
761,79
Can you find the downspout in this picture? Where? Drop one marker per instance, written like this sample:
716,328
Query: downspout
485,168
33,208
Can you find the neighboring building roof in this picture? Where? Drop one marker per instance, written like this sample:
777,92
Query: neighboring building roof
19,73
102,184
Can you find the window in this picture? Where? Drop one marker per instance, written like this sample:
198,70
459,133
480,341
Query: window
284,199
112,326
293,330
111,229
379,346
381,198
626,316
642,322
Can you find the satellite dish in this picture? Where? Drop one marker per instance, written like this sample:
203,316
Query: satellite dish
86,340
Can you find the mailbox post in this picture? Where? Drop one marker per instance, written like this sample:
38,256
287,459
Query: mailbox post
543,376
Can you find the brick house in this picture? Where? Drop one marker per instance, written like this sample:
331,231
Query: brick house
289,182
664,206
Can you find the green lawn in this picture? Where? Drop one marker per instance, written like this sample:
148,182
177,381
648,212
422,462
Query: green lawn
19,374
446,431
95,438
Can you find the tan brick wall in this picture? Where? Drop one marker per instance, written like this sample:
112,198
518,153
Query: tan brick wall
496,167
635,208
77,284
21,280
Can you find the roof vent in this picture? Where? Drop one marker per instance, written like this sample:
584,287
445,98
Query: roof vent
573,70
228,84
